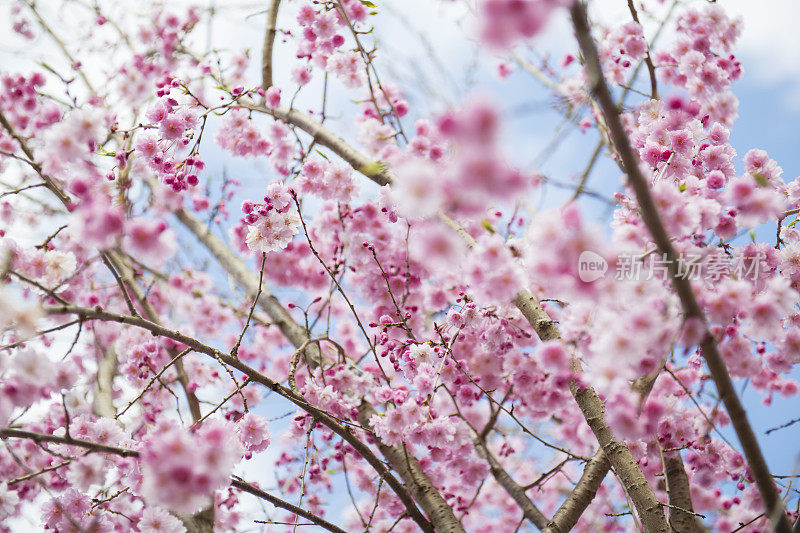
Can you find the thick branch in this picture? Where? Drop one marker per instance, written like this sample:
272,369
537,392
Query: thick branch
544,326
103,404
719,372
418,483
679,495
323,136
516,491
581,496
627,470
591,406
269,42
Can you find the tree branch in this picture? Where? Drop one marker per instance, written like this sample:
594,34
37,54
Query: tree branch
126,274
648,61
679,495
277,502
410,471
324,137
269,42
97,313
567,515
516,491
649,213
103,404
417,481
245,279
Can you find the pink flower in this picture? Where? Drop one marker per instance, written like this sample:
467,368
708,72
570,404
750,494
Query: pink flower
438,247
158,520
273,97
554,357
253,432
325,24
301,75
172,127
506,21
147,146
181,470
416,192
149,240
272,230
98,224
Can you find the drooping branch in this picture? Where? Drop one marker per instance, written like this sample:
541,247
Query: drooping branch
692,310
277,502
73,63
651,69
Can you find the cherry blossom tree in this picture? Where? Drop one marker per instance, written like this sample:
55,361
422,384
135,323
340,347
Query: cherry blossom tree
384,335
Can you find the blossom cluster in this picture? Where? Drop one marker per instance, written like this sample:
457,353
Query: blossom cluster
145,354
272,224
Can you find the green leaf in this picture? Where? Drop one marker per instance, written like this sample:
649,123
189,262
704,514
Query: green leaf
761,179
487,226
372,168
368,4
753,235
682,187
